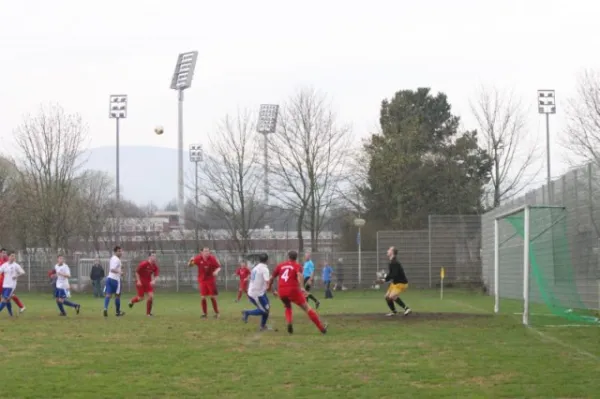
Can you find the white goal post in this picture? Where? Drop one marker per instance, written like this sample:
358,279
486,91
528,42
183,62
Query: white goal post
526,209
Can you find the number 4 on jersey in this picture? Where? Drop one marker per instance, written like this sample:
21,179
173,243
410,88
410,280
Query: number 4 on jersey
286,275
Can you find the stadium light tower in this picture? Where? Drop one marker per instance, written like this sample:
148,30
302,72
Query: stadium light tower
547,106
117,109
181,80
267,123
196,156
358,222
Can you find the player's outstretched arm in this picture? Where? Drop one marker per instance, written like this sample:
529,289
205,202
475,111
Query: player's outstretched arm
191,262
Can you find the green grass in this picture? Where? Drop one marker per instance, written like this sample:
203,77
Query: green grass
177,355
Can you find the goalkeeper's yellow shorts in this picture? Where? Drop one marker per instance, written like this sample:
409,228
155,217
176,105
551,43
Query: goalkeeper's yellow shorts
396,289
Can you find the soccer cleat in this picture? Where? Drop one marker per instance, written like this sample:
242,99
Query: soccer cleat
290,329
62,314
216,316
120,314
407,311
324,330
244,316
105,313
203,316
22,309
130,305
317,305
77,308
391,314
150,315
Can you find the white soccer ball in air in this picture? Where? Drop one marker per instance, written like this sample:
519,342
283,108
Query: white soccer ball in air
159,130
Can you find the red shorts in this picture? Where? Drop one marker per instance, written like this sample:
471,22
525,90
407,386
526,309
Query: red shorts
294,296
145,288
208,288
244,285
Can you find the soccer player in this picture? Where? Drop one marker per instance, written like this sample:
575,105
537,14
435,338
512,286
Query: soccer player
208,270
291,290
398,283
15,299
63,273
11,271
257,292
113,282
243,272
309,273
145,278
327,272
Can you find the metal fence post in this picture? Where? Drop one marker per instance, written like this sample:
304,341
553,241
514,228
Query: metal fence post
429,228
176,272
29,272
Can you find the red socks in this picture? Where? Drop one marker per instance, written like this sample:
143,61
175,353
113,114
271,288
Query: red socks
18,301
239,295
288,315
204,308
214,304
135,299
149,306
314,317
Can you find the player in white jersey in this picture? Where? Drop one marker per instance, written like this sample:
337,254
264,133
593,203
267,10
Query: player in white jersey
11,270
63,273
257,292
113,282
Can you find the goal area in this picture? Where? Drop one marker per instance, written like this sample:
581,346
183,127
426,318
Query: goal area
533,269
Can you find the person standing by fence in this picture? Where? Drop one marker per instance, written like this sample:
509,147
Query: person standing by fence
327,272
96,276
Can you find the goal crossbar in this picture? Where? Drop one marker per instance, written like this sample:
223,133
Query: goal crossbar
521,208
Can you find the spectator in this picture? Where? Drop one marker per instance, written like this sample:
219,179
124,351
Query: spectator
327,272
339,285
96,275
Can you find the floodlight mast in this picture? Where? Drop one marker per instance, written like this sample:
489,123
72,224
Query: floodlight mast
267,124
181,80
117,109
196,156
547,106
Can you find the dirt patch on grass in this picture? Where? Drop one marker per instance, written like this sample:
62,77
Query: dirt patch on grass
411,318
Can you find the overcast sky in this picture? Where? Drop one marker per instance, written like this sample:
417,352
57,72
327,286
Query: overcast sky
76,53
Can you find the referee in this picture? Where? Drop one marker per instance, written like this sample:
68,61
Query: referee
309,272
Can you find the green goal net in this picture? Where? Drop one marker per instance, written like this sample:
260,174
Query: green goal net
558,293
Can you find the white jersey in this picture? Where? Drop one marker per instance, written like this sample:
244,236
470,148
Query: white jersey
62,282
259,277
11,271
115,264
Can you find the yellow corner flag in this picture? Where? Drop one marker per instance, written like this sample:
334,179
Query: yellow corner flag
442,273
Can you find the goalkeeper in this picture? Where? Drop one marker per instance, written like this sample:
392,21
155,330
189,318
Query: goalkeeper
398,284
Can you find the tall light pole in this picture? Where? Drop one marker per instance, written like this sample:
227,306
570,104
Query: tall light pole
358,222
547,106
267,123
196,156
181,80
117,109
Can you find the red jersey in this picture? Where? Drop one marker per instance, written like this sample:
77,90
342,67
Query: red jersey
243,272
288,275
206,267
3,260
146,270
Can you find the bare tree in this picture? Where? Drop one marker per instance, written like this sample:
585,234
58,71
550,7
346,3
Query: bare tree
51,143
502,124
309,151
8,201
231,178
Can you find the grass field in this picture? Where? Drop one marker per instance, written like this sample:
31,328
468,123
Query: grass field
452,348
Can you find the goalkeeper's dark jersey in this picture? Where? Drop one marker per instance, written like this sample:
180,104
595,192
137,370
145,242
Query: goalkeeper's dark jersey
396,273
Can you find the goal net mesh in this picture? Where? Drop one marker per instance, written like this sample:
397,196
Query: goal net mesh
553,288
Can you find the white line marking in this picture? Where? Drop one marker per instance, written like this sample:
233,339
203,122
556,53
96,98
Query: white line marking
571,325
547,337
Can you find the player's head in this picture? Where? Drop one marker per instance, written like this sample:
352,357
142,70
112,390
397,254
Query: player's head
151,256
2,251
12,256
263,258
60,259
205,252
392,252
118,251
307,255
293,255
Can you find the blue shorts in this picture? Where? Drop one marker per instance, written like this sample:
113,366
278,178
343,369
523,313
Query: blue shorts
7,292
112,286
261,302
60,293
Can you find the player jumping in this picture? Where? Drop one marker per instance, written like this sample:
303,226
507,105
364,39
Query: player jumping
146,275
113,282
63,273
15,299
399,283
257,292
208,269
291,290
243,272
11,271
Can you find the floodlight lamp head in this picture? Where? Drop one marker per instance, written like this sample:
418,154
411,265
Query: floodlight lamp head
117,107
184,71
546,102
196,154
267,118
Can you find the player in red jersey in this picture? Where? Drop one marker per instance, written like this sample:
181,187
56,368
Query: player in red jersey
208,269
243,272
146,274
16,300
291,290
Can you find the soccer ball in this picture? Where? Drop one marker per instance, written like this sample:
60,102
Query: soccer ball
159,130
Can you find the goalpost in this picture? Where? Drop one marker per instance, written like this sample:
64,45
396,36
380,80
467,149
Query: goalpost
533,263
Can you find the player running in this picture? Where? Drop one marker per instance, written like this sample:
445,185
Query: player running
146,274
243,272
11,271
113,282
208,270
15,299
63,273
291,290
399,283
257,292
309,274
